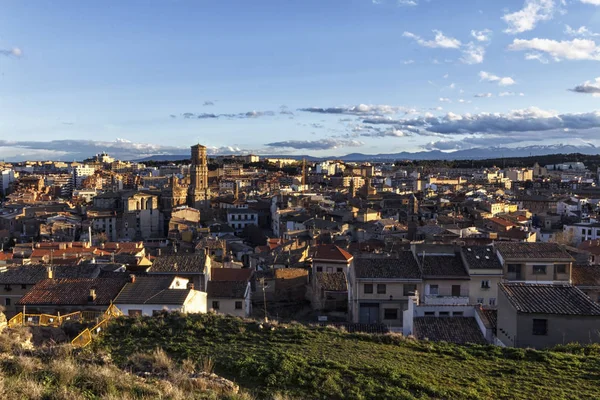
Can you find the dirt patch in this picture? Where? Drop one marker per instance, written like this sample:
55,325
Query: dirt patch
46,335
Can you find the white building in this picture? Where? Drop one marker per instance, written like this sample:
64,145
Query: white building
7,176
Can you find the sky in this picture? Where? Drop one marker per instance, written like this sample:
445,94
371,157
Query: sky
317,77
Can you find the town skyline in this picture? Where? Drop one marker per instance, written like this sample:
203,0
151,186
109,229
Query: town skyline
358,76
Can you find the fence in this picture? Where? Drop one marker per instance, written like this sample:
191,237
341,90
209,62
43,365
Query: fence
85,337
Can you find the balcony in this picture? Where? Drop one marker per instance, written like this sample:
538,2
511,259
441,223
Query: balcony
435,299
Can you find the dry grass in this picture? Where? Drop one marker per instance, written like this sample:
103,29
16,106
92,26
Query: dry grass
59,373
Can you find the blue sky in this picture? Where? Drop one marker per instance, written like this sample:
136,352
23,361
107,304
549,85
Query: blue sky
289,77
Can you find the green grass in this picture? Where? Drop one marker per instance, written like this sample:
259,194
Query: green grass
302,362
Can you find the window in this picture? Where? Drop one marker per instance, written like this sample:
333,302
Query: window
561,268
319,269
381,289
340,270
134,313
23,286
540,326
430,313
7,302
215,305
539,269
492,301
390,313
455,290
514,268
238,305
444,313
434,289
480,300
458,313
409,289
485,284
368,288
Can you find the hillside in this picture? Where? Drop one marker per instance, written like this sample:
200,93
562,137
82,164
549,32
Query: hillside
295,361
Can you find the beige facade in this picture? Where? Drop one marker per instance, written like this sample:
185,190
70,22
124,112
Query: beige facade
381,300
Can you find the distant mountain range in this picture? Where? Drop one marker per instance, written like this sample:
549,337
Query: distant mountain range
470,154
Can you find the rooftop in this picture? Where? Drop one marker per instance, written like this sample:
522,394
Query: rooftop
227,289
331,252
443,266
334,282
397,266
151,290
549,299
179,263
460,330
74,291
481,257
532,251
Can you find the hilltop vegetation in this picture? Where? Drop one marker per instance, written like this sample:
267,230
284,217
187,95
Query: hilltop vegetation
59,372
295,361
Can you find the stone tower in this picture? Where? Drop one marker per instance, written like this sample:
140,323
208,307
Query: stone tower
199,194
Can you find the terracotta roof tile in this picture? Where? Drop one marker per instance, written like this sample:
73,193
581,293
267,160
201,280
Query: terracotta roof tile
460,330
331,252
74,291
549,299
334,282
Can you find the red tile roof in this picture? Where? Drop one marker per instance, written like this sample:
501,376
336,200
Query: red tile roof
231,274
74,291
331,252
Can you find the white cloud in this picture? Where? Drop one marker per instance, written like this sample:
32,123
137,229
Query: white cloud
576,49
592,2
14,52
582,31
505,94
536,56
483,95
526,19
322,144
407,3
589,87
360,109
473,54
502,81
440,40
445,100
407,62
482,36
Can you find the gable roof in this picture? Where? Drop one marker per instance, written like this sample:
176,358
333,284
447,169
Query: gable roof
151,290
74,291
227,289
532,251
179,263
331,252
231,274
459,330
443,266
481,257
549,299
401,265
586,275
334,282
31,274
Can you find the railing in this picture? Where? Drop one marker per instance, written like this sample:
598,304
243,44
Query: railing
83,339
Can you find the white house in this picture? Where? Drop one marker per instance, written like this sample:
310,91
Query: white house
148,295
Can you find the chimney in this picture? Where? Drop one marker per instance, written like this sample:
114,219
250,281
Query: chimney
132,278
50,272
92,296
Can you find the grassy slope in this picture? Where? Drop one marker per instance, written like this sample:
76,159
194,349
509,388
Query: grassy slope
327,363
